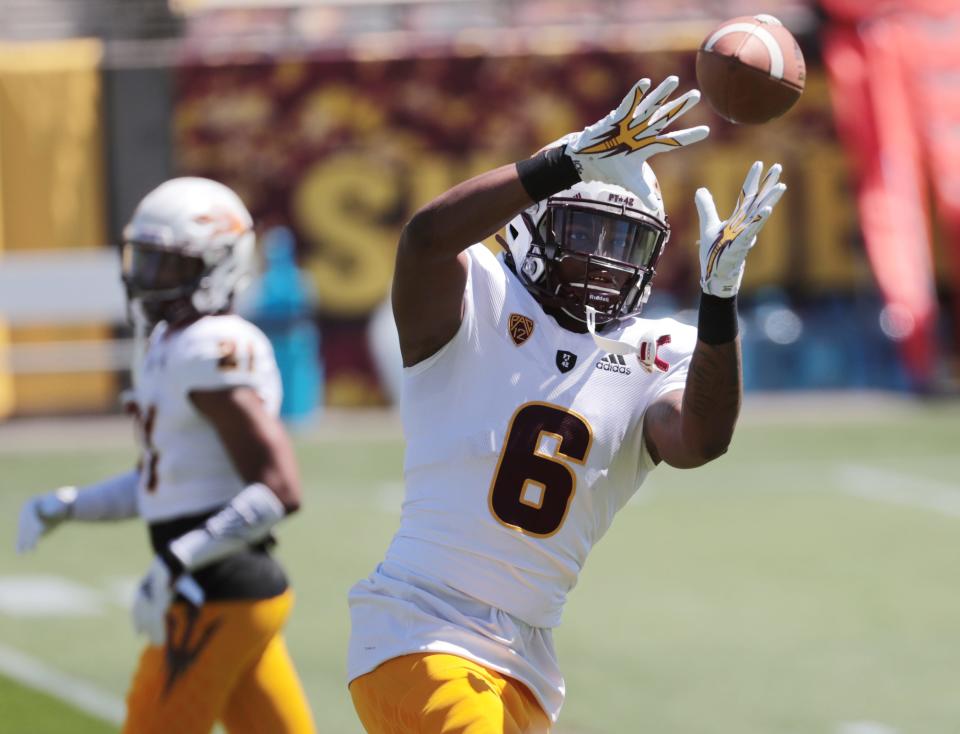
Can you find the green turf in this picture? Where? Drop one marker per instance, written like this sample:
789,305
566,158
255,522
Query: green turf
755,595
25,711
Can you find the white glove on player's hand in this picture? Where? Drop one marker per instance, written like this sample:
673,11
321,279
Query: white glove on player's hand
724,244
154,596
41,514
613,150
150,606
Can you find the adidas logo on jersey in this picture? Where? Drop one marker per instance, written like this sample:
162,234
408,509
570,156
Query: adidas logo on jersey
613,363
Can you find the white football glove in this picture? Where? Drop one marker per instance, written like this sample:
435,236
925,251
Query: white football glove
154,596
724,244
41,514
613,150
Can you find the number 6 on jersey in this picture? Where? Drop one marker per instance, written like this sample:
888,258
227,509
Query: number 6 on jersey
532,490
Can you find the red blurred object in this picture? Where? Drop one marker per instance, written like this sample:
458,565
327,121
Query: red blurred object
895,101
857,10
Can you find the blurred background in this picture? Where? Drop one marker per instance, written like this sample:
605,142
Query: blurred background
335,120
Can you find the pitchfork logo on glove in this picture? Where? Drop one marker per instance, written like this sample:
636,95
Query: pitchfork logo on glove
724,244
634,129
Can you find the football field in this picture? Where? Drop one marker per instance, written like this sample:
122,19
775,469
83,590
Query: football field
808,582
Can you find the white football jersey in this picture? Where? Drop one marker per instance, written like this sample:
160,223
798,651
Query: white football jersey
523,441
184,467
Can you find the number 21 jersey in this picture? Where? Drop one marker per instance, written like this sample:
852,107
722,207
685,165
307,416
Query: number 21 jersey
185,467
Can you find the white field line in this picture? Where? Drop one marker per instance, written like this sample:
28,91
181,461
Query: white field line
865,727
898,488
78,693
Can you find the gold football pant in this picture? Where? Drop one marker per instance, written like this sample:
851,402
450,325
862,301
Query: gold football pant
434,693
225,661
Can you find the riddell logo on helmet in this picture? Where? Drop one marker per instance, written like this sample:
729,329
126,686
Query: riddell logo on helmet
618,199
613,363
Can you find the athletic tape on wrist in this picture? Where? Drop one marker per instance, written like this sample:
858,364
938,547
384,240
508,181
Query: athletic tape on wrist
547,173
245,520
717,321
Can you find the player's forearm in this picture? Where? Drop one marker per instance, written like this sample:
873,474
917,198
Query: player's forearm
278,470
246,520
112,499
711,399
467,213
256,441
477,208
714,387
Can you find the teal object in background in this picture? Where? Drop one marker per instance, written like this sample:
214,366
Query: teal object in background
282,306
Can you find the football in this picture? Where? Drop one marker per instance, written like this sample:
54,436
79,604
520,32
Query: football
751,69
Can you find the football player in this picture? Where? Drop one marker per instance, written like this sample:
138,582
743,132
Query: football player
535,401
216,473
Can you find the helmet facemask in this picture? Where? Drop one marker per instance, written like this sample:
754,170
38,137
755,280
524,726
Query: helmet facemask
162,281
592,253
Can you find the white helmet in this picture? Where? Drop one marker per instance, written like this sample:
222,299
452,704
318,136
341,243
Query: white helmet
188,249
595,244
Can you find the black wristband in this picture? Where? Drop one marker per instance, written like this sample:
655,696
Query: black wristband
717,322
546,173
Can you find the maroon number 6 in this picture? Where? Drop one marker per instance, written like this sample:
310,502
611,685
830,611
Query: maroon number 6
531,489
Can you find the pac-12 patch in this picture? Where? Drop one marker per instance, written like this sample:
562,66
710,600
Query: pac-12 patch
565,360
520,328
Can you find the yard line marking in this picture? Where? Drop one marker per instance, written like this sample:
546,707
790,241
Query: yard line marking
865,727
121,590
881,485
46,595
78,693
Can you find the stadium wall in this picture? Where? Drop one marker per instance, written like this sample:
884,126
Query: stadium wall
343,147
52,197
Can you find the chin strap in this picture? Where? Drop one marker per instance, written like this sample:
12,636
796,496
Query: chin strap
142,327
645,348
